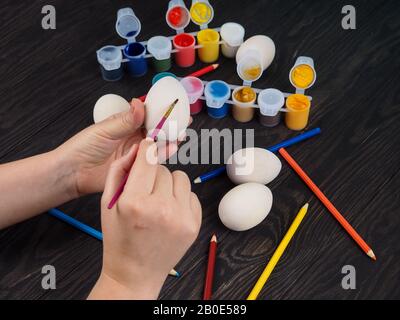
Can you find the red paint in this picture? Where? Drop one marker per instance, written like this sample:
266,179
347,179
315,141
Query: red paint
186,55
196,107
175,16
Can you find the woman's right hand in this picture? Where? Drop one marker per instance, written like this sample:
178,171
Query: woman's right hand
153,224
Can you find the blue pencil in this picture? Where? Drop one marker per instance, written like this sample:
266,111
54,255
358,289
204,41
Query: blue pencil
87,229
76,224
284,144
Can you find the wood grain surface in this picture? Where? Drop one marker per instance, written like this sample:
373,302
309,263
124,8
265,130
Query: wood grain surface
50,80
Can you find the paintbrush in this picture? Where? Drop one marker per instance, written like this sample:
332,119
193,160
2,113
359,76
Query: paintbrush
153,136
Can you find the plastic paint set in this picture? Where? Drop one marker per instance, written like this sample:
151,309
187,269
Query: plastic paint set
253,57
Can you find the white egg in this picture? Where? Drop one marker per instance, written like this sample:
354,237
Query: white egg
161,95
109,105
245,206
263,44
253,165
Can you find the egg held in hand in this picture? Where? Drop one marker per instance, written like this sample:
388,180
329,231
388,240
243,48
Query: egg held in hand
161,95
108,105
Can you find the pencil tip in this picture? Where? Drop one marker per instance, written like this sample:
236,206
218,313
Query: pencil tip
371,254
197,181
177,274
216,65
306,206
214,238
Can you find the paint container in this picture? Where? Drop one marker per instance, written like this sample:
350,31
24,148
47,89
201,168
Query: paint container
270,102
137,64
178,16
128,25
186,54
303,75
201,13
243,104
250,67
160,47
232,34
110,58
209,40
298,106
194,88
217,92
161,75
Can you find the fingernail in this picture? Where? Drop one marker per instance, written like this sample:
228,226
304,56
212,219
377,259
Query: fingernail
149,139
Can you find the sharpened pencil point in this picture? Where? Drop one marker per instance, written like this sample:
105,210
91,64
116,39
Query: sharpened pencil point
371,254
214,238
197,180
215,65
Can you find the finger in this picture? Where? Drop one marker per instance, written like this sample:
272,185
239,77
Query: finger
181,187
163,183
166,151
195,205
123,124
143,173
117,172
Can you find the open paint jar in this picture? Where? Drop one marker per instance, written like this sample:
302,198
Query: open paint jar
201,13
298,106
194,88
110,59
208,39
250,67
303,75
128,26
217,92
160,47
185,56
161,75
270,102
232,34
243,104
178,16
137,64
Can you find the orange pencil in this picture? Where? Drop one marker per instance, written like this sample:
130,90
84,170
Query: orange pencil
210,268
321,196
198,73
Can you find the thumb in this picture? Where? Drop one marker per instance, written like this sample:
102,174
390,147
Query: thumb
123,124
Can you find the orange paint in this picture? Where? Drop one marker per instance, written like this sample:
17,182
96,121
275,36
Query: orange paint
299,112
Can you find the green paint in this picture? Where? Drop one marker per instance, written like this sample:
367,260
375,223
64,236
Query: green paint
161,65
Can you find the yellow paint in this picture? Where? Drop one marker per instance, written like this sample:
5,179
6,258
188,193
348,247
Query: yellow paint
299,111
243,99
201,13
209,40
252,73
303,76
245,95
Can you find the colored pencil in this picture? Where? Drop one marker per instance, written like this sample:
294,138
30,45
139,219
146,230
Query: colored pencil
153,136
321,196
197,73
278,254
287,143
87,229
210,268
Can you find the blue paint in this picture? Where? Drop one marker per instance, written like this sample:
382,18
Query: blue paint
137,64
111,75
161,75
131,33
216,93
110,58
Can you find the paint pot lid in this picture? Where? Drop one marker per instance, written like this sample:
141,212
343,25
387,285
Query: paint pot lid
217,92
303,61
177,16
161,75
232,33
110,57
160,47
128,26
201,12
270,102
252,59
194,88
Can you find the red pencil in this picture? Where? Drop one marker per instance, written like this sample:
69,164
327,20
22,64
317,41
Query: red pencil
197,73
210,268
321,196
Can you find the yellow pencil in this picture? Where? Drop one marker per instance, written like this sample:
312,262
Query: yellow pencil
277,254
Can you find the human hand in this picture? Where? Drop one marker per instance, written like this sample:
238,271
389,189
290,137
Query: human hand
153,224
92,150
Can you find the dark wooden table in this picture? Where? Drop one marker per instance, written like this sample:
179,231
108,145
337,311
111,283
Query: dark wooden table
50,80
